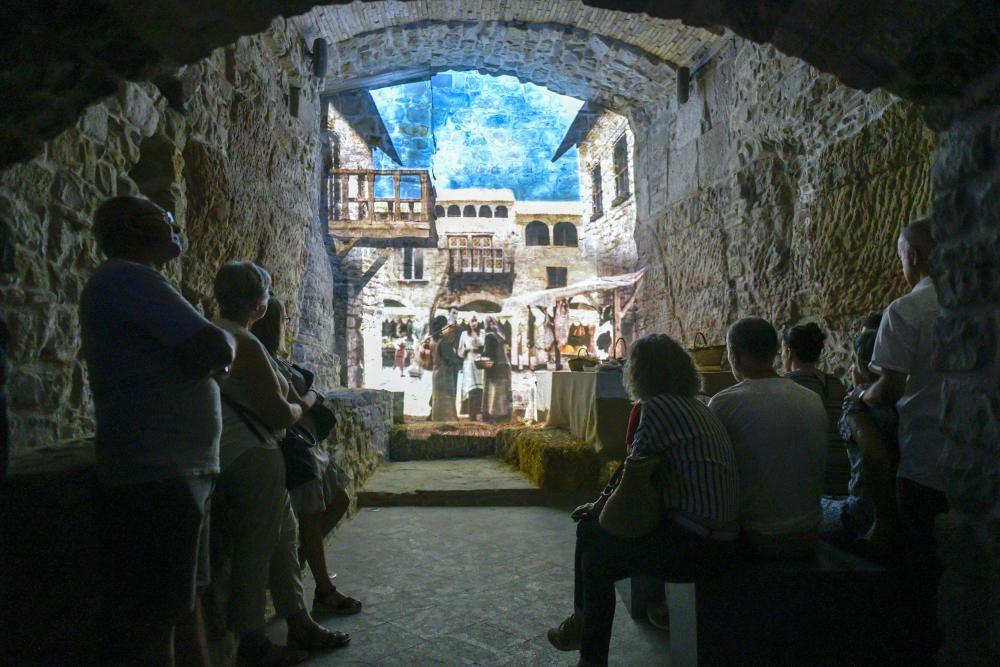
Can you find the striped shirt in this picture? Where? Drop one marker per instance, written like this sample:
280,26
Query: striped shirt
698,468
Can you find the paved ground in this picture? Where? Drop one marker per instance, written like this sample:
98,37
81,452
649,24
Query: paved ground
464,586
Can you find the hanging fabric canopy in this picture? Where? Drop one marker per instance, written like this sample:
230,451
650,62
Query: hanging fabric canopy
548,298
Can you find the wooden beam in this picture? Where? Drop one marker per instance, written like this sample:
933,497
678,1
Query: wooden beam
344,248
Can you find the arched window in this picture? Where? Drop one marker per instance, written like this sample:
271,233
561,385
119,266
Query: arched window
439,211
454,211
536,233
469,211
485,212
501,212
564,233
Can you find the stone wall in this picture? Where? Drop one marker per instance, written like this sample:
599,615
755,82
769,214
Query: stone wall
609,238
775,191
966,270
230,151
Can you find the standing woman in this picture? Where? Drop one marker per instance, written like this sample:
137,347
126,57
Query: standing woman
469,348
258,405
445,376
496,400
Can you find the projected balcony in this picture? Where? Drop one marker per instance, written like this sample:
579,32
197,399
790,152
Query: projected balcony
480,268
381,207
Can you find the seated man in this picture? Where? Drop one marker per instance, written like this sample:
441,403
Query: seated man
778,431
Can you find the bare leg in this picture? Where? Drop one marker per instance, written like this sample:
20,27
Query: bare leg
190,640
311,541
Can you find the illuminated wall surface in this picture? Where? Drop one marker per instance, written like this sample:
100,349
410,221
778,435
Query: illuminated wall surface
478,131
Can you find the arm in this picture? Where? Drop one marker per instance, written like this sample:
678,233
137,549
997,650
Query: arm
210,350
447,352
885,391
253,368
878,478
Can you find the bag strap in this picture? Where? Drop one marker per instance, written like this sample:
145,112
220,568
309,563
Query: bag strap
245,415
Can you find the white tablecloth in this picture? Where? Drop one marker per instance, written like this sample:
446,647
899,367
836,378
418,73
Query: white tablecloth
593,406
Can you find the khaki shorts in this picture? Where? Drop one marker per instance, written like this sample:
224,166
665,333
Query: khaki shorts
318,494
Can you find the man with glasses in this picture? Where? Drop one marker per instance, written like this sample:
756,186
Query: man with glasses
151,359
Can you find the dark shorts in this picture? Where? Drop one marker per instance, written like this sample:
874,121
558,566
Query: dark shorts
155,547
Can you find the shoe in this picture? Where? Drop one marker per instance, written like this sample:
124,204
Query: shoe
567,636
336,605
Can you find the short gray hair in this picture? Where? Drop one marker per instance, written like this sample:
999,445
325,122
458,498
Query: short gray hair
239,287
657,364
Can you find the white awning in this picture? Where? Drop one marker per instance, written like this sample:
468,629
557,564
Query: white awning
548,298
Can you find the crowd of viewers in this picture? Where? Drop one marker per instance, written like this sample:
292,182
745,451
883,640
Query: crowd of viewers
190,411
742,477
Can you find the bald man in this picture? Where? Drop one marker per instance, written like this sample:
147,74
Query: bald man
903,355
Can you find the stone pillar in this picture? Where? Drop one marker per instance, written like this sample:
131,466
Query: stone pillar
967,275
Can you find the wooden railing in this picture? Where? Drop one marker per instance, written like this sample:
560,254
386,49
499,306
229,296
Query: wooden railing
354,209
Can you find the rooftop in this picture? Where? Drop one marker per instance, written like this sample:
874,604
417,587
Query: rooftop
542,207
476,194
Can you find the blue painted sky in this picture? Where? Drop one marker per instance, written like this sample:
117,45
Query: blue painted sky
479,131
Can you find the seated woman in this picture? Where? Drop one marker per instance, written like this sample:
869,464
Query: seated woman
698,484
258,405
319,504
866,519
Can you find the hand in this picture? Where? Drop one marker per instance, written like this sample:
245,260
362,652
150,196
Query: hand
589,510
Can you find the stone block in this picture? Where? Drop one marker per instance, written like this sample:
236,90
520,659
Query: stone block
682,179
551,458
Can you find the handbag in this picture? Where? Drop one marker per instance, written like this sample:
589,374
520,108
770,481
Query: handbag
633,509
301,465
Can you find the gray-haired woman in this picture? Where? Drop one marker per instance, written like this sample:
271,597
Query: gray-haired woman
258,405
698,484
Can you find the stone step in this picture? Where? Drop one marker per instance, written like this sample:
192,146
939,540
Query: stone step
424,441
457,483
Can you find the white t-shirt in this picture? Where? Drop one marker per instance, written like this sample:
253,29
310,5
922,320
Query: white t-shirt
904,344
154,421
778,432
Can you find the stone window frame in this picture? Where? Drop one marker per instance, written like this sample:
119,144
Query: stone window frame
529,235
501,212
485,211
619,164
561,232
469,211
556,276
439,211
411,264
597,193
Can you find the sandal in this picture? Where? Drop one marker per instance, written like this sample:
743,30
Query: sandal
338,605
266,654
314,637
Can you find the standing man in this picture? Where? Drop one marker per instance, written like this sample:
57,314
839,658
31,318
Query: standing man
446,366
151,357
903,353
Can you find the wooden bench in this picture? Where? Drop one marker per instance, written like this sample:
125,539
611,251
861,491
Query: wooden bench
830,610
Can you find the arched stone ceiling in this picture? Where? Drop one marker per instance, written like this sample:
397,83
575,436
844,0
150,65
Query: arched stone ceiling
57,57
666,39
562,58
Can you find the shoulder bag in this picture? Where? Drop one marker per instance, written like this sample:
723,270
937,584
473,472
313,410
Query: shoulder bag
301,465
633,509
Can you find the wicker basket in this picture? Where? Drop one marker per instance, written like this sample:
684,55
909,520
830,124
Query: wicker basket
582,363
707,357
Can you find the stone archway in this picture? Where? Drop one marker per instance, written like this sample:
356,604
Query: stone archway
939,53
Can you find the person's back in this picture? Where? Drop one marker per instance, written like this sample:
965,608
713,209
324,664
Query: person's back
778,431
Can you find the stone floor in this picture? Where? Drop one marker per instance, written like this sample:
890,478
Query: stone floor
464,586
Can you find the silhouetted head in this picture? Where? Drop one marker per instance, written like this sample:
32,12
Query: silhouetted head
915,246
136,229
657,364
242,290
752,344
803,343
